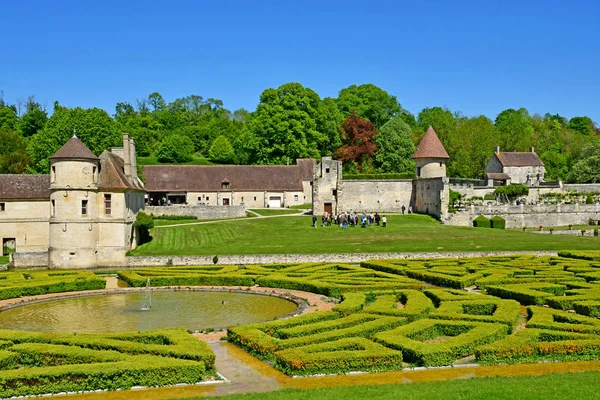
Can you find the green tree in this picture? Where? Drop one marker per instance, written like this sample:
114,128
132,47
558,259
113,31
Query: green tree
473,147
175,149
442,120
329,122
395,147
556,163
13,155
583,125
284,125
515,130
93,126
370,102
587,169
34,119
221,151
8,118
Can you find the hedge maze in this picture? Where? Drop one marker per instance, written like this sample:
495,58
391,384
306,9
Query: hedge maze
483,310
393,314
30,283
37,363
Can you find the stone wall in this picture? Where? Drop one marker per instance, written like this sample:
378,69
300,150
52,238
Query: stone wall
134,262
582,187
199,211
529,215
37,259
374,195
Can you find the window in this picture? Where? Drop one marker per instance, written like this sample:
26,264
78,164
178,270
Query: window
254,198
199,199
2,206
53,174
53,209
242,199
224,185
326,170
441,164
94,174
418,171
107,204
84,207
207,198
295,197
334,191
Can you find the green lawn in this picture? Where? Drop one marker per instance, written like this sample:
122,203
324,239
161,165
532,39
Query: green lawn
161,222
409,233
582,385
3,259
154,161
268,211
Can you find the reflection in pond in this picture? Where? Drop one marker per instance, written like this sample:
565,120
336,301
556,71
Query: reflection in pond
122,312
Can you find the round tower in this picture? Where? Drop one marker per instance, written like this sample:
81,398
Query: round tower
431,156
74,171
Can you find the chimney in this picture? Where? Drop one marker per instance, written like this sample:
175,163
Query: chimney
132,158
532,149
126,155
497,149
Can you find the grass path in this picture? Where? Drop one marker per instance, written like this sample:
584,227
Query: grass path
295,234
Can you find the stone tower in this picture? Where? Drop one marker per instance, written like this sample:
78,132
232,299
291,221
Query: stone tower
430,156
74,171
431,187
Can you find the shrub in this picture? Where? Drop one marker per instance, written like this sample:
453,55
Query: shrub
497,222
589,199
547,318
528,293
481,222
175,149
505,312
143,223
489,196
512,191
415,305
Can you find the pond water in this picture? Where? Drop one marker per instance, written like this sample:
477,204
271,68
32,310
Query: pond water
123,312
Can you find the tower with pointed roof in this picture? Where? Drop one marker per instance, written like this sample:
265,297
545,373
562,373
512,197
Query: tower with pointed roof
430,156
74,172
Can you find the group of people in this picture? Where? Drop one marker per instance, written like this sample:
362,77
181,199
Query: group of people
353,219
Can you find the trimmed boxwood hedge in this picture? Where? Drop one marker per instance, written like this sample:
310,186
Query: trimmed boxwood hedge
481,222
33,283
497,222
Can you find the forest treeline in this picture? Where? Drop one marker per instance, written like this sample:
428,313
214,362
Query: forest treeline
364,126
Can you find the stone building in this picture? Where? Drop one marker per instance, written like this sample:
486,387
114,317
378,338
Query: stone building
255,186
427,193
81,215
515,167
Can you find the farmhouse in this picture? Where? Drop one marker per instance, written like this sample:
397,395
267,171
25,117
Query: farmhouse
80,215
515,167
255,186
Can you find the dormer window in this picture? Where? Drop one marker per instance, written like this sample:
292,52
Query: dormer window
225,184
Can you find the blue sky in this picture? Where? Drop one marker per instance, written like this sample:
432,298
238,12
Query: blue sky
478,57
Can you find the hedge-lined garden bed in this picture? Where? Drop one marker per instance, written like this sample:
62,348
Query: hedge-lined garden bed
32,283
38,363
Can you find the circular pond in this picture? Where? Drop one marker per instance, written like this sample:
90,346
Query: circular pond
193,310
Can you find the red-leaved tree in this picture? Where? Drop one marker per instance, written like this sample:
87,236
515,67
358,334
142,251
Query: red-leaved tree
358,136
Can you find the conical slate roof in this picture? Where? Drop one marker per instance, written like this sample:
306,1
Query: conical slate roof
430,146
75,149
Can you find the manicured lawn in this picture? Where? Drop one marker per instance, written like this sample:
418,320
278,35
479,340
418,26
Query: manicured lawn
409,233
301,207
582,385
154,161
3,259
268,211
161,222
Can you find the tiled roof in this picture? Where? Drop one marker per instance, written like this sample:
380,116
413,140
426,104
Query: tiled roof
112,175
499,176
75,149
307,167
13,186
198,178
430,146
519,159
